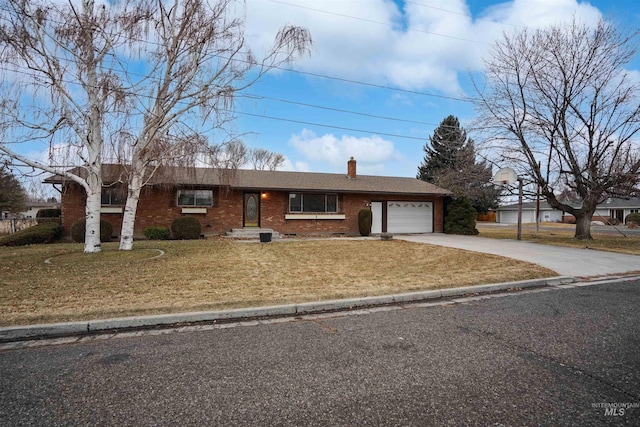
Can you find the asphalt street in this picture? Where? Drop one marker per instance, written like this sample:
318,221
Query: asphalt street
547,357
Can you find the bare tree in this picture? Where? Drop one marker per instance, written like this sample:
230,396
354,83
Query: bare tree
197,62
58,86
262,159
562,97
135,82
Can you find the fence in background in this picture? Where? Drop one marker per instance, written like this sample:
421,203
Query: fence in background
10,226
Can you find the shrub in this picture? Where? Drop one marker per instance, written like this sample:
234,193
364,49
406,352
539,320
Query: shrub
49,213
632,218
186,228
460,217
78,230
41,233
157,232
365,217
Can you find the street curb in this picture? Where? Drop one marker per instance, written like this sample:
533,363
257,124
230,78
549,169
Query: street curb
21,333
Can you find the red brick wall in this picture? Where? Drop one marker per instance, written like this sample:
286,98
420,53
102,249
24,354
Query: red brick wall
72,206
157,206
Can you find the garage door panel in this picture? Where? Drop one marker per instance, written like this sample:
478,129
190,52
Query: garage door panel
409,217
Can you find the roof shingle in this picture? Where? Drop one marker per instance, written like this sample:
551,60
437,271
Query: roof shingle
275,180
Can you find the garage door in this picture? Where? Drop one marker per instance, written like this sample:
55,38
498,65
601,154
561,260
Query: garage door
410,217
511,217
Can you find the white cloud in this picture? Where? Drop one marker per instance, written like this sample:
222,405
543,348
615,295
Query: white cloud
372,153
290,166
418,47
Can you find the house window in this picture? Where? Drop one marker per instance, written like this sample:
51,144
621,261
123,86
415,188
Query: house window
313,202
113,196
195,197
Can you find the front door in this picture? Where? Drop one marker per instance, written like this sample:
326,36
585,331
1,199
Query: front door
252,209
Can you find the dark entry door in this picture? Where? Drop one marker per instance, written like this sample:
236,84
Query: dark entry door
252,209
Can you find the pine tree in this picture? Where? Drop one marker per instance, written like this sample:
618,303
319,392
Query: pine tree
12,194
450,162
442,153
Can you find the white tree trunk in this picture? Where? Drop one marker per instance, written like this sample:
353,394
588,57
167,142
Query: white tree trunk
92,212
129,217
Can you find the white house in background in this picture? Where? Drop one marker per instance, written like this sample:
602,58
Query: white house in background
612,208
34,207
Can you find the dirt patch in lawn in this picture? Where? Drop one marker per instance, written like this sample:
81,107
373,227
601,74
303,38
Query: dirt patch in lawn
220,274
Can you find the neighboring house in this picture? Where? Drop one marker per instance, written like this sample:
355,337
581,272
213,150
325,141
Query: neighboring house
610,208
295,203
34,207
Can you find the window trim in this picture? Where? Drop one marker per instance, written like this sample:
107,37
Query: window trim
109,191
195,199
326,203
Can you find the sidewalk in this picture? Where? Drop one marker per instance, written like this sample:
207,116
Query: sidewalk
564,261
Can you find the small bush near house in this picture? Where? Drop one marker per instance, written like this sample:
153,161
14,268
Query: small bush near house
48,215
41,233
460,217
157,232
365,218
632,218
78,230
186,228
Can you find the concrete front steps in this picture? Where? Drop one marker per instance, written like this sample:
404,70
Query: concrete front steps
251,233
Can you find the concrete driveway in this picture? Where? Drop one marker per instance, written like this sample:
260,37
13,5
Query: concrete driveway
565,261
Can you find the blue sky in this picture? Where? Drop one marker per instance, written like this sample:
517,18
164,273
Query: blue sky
385,72
424,49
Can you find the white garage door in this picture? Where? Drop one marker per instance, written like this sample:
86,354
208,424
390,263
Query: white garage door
410,217
511,217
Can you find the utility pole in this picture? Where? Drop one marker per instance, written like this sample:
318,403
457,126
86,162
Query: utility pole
538,205
519,235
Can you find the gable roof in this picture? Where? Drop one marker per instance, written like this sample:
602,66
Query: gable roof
272,180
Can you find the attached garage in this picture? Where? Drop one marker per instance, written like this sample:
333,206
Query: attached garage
409,217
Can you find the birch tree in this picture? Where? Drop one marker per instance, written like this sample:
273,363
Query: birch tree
197,61
560,106
133,82
58,87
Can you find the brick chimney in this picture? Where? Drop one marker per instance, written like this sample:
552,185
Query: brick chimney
351,168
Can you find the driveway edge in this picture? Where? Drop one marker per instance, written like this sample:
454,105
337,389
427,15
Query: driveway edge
21,333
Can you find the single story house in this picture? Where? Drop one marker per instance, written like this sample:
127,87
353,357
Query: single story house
610,208
34,207
293,203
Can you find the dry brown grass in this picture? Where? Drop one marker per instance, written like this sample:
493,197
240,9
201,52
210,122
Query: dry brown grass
563,236
221,274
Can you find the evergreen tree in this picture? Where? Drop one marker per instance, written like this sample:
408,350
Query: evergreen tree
460,217
450,163
442,153
12,194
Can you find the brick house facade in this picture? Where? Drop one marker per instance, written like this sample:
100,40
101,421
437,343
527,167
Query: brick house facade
275,203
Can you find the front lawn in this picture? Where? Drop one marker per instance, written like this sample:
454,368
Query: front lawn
562,235
217,274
